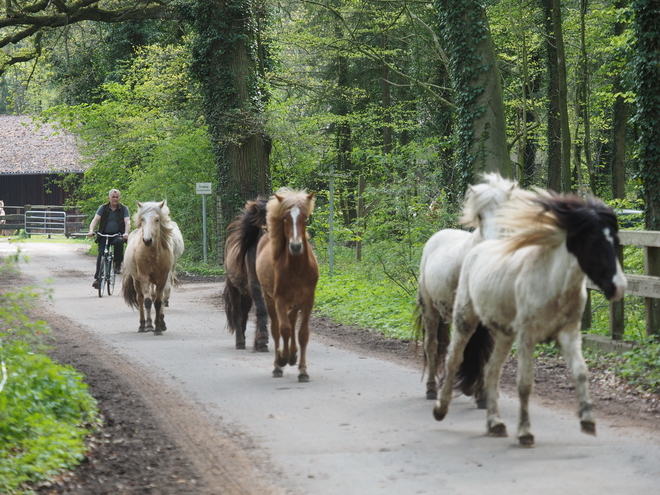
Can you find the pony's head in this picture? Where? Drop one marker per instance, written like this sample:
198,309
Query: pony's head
588,226
482,202
287,214
153,219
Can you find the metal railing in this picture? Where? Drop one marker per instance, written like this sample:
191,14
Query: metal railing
45,222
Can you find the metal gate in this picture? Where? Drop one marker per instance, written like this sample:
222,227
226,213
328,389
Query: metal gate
45,222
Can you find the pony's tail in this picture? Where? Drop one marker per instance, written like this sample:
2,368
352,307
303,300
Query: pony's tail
228,302
128,291
470,375
252,224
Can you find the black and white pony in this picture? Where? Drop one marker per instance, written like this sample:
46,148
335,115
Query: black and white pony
440,267
529,287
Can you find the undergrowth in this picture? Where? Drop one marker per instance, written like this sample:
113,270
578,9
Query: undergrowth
45,409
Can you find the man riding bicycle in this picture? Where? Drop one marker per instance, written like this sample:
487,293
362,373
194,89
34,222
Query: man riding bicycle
115,219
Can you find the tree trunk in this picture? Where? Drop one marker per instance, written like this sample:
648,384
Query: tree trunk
563,98
619,123
647,75
226,62
554,122
481,124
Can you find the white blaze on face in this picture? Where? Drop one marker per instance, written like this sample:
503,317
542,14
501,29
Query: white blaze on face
295,212
620,281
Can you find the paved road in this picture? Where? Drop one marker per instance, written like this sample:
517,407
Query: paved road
361,425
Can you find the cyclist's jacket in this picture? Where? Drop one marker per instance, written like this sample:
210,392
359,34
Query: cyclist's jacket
123,212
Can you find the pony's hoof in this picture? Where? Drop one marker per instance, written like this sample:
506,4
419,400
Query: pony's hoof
142,330
281,361
431,394
439,413
303,377
293,360
158,332
277,373
526,441
261,346
588,427
498,430
240,345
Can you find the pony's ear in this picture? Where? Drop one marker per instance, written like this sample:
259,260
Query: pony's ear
311,195
139,204
162,204
279,198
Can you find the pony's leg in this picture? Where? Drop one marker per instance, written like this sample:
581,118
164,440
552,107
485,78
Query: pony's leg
244,303
261,334
571,348
493,374
525,380
275,332
159,317
303,339
465,323
282,357
293,348
434,327
140,302
148,302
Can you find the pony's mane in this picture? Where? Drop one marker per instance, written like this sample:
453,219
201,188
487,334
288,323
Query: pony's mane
246,229
491,193
547,219
278,204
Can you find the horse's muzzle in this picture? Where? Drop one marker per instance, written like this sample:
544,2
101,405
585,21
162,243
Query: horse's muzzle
295,248
147,241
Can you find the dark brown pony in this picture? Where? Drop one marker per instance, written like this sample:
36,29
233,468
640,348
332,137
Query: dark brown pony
242,287
288,273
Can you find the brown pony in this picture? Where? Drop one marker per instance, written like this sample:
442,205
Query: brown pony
242,286
288,273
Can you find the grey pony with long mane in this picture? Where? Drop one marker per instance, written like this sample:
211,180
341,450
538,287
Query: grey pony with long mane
439,269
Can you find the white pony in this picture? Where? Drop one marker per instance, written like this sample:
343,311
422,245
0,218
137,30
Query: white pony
530,286
151,254
440,266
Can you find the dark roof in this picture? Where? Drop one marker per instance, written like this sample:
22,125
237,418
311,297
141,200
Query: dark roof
26,149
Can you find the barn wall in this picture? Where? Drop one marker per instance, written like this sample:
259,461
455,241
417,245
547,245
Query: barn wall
32,189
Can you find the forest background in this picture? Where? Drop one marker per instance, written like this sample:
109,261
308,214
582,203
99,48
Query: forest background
388,110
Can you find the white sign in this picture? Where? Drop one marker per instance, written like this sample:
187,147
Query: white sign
203,188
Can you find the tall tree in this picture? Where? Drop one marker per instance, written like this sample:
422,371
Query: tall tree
647,74
619,119
554,122
226,62
562,85
480,121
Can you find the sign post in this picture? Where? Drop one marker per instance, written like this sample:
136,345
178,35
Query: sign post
203,188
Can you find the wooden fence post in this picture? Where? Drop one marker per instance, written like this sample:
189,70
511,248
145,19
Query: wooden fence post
617,323
652,267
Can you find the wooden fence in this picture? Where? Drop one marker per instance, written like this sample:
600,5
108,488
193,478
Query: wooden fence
647,285
15,219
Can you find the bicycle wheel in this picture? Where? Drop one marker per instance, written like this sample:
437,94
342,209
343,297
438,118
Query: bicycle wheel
102,278
111,276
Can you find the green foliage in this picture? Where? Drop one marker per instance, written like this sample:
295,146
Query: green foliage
641,366
148,140
354,297
45,409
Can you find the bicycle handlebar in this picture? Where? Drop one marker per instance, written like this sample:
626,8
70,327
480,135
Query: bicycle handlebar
107,235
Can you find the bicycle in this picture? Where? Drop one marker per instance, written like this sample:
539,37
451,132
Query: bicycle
106,271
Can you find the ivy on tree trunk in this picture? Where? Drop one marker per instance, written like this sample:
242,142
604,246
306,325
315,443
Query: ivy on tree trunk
480,119
226,62
646,60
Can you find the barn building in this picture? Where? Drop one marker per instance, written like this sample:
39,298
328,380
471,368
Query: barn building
33,160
